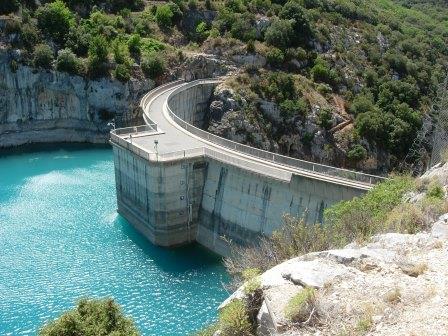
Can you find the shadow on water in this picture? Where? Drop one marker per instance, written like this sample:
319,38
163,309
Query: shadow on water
187,258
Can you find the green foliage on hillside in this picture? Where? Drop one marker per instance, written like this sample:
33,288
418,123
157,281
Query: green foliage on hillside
383,58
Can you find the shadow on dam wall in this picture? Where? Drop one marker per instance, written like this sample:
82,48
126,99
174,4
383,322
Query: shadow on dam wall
211,200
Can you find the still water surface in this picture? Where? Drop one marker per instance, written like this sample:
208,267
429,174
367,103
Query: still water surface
61,238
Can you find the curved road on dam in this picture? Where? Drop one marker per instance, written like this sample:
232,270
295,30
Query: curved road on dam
172,141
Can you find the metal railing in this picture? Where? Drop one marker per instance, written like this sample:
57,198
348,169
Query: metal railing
265,155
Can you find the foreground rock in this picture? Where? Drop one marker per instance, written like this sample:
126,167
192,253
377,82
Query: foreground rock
394,285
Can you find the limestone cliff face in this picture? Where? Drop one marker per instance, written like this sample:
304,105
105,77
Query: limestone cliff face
50,106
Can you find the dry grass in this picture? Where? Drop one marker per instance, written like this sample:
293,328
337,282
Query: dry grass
414,270
393,296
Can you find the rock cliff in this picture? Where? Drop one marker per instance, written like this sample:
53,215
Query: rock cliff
50,106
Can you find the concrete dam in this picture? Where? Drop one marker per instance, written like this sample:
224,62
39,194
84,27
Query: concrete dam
177,183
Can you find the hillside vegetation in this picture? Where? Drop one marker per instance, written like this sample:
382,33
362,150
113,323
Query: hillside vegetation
374,65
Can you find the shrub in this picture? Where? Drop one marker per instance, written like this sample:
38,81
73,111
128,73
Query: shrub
122,72
55,20
135,44
293,11
322,72
302,305
406,218
252,280
91,317
164,16
325,119
362,104
43,56
121,52
234,320
435,190
29,36
275,57
291,108
279,34
98,56
362,217
201,31
68,62
357,153
153,65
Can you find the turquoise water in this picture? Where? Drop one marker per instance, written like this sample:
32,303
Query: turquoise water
61,238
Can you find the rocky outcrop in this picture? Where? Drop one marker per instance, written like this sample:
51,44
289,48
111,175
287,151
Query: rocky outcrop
50,106
232,116
197,66
396,284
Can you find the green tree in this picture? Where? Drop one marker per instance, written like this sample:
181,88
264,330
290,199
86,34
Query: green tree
91,318
98,56
280,34
55,20
164,16
275,57
153,65
68,62
291,108
43,56
294,12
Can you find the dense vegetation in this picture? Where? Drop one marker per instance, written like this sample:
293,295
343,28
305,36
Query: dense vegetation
383,58
91,317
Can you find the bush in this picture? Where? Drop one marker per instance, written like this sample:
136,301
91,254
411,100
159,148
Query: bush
279,34
291,108
362,104
55,20
29,36
135,44
122,72
322,72
164,16
201,32
91,317
325,119
153,65
98,56
357,153
406,218
68,62
121,52
435,190
275,57
302,305
293,11
234,320
364,216
43,56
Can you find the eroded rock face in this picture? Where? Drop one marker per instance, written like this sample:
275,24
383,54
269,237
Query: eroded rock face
296,137
396,282
50,106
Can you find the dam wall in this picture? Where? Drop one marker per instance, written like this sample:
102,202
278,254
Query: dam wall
239,205
196,187
161,199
